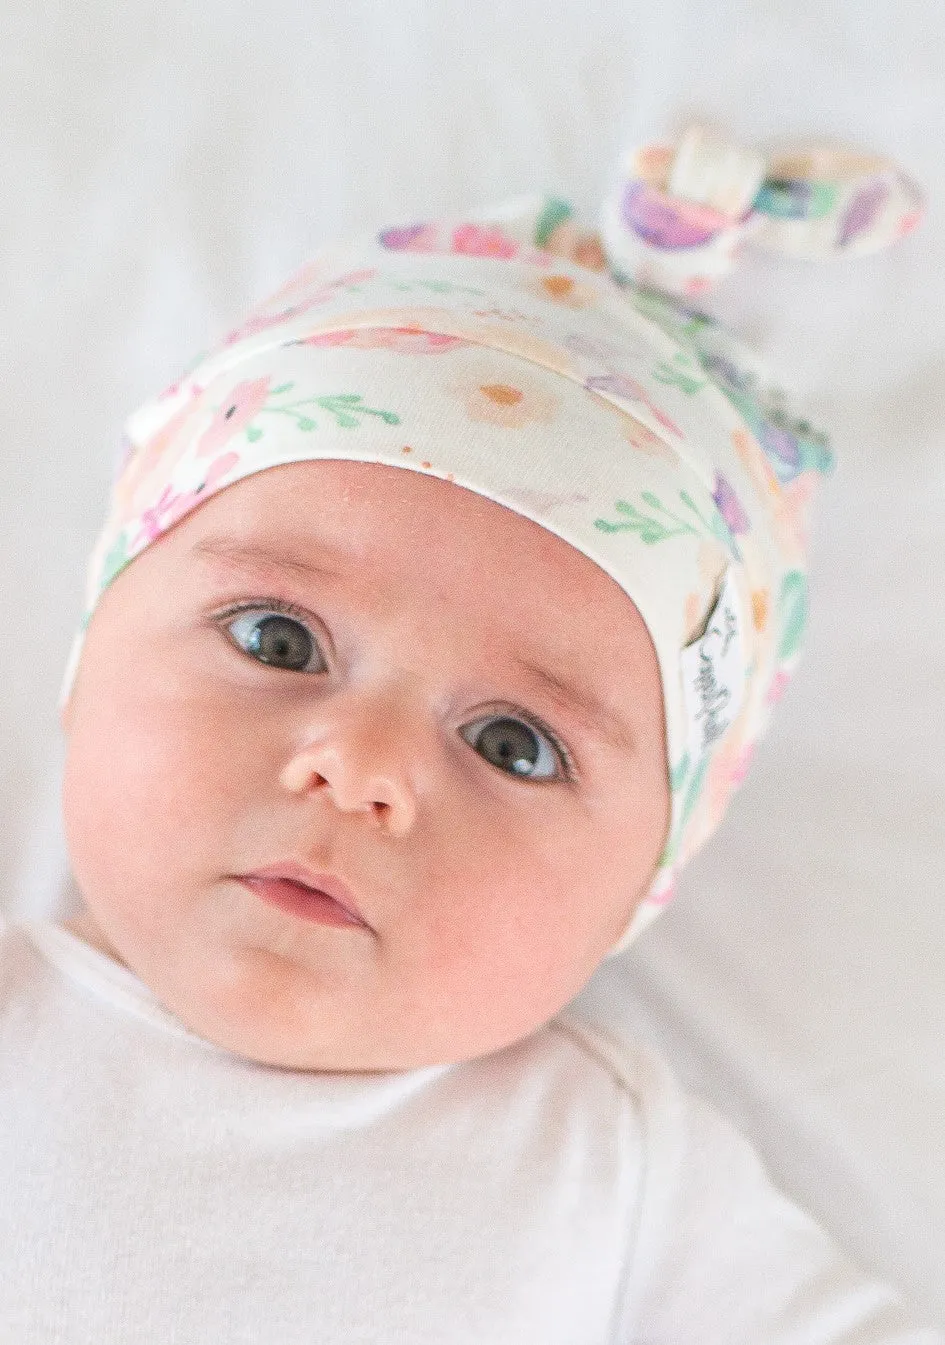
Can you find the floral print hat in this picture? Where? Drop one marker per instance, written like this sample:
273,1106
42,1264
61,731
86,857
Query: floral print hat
558,372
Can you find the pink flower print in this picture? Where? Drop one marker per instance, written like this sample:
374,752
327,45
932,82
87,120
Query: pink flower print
620,385
351,278
150,524
477,240
909,222
778,687
155,459
726,773
742,763
245,401
409,238
696,285
188,499
261,322
406,340
166,511
663,897
729,506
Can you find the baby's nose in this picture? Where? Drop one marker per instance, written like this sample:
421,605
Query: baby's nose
362,760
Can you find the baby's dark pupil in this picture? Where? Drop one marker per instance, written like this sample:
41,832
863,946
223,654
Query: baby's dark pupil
277,639
509,744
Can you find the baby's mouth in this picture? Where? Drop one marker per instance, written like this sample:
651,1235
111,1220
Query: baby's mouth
320,897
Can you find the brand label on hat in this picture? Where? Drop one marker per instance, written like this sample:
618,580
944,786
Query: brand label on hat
713,674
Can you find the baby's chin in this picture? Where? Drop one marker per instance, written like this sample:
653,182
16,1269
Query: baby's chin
263,1006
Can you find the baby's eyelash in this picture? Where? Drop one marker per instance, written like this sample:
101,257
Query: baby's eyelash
270,604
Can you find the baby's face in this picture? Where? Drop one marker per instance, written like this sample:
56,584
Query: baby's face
374,712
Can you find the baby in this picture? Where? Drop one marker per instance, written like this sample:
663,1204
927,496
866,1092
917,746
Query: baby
431,627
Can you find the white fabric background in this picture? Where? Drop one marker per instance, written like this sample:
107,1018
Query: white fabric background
165,165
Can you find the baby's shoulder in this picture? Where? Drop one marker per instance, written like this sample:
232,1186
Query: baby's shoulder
610,1051
14,960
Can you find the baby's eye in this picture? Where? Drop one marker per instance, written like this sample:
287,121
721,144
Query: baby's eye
275,638
516,747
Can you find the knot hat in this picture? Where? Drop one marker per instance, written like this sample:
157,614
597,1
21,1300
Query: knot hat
533,362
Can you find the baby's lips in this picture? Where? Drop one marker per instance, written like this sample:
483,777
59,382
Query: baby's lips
295,872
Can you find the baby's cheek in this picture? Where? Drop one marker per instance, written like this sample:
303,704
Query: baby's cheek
141,794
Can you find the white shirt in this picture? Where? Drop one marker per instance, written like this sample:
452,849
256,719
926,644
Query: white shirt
158,1190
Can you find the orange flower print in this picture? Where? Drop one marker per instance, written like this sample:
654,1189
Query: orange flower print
711,564
512,405
760,607
793,513
578,245
565,290
244,402
756,464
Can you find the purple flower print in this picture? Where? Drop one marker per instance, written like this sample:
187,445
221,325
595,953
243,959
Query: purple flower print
862,212
665,222
409,238
779,443
729,506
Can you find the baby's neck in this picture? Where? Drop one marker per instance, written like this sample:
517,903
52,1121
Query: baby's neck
84,926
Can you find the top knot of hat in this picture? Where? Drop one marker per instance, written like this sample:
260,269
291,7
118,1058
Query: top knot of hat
678,215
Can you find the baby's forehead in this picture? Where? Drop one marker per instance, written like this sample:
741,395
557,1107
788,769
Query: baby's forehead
375,514
394,541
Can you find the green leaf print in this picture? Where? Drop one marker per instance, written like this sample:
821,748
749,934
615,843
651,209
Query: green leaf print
651,530
437,287
346,408
684,373
694,790
115,561
677,776
794,613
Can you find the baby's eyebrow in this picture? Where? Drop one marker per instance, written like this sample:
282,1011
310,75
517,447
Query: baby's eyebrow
254,555
598,718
